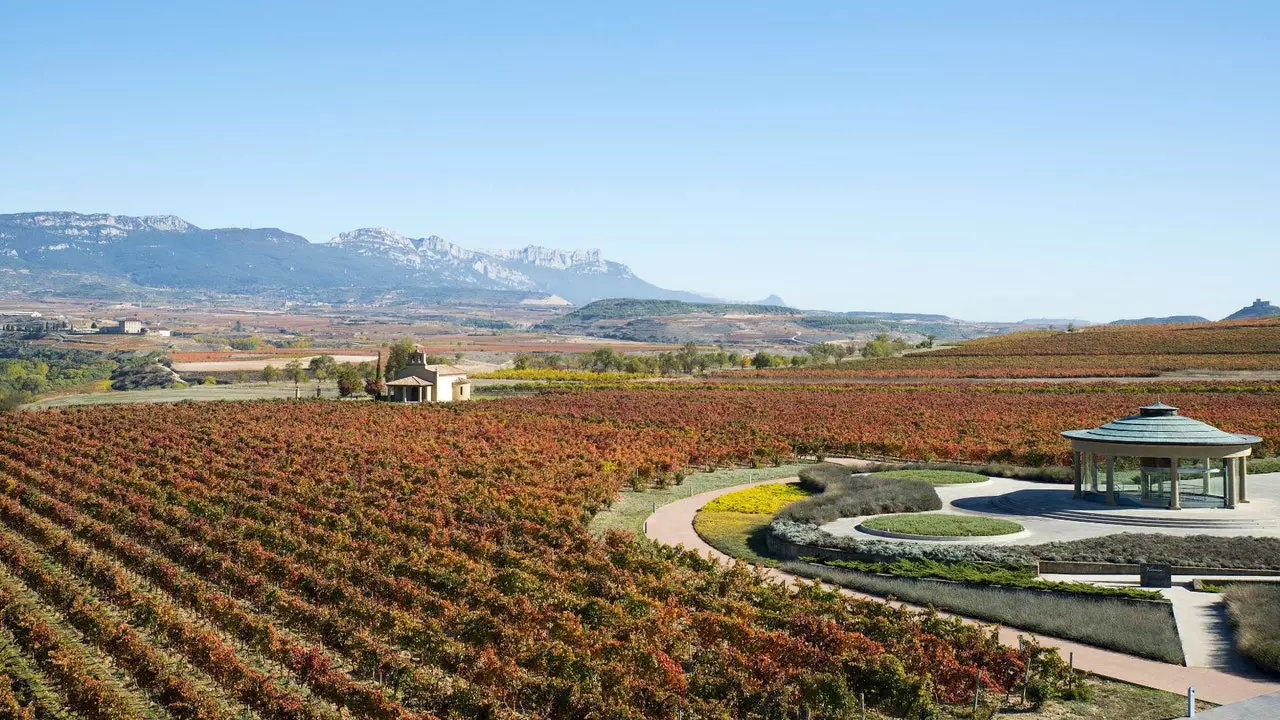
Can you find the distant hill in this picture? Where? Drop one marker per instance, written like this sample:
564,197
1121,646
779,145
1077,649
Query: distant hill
625,308
1055,321
73,252
1259,308
771,300
1161,320
677,322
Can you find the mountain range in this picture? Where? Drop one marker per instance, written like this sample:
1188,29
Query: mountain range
164,251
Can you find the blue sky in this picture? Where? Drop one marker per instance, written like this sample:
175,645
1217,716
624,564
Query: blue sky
988,160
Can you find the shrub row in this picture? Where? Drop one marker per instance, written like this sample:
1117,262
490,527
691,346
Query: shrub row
838,493
1264,465
1049,473
802,533
987,574
1208,551
1194,550
1136,627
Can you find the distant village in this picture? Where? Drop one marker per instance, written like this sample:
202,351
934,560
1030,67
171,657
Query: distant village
34,322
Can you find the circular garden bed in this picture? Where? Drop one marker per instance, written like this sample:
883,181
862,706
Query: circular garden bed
940,525
936,477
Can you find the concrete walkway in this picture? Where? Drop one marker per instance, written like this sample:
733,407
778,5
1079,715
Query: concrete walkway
1201,618
1050,513
673,525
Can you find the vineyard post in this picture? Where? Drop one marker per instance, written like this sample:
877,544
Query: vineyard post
1026,679
977,689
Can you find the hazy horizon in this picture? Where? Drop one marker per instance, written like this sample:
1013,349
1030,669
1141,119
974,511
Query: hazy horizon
991,161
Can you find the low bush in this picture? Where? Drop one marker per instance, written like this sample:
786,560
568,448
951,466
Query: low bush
1050,473
935,477
759,500
987,574
888,550
942,525
1191,550
839,494
1252,611
1217,585
1264,465
1135,627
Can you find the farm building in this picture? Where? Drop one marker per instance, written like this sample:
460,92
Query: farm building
128,326
419,382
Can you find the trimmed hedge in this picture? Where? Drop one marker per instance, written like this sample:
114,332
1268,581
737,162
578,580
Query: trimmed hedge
888,550
1052,473
839,493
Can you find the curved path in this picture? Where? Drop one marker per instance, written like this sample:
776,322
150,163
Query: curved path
673,525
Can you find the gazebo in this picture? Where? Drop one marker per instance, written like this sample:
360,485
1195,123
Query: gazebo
1173,452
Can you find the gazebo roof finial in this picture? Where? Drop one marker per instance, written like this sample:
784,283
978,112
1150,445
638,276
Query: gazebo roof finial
1157,409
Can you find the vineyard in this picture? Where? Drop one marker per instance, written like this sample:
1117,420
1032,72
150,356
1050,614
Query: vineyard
943,364
1100,351
1239,337
324,560
1006,423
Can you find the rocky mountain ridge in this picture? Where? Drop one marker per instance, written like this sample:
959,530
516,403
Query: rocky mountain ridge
168,252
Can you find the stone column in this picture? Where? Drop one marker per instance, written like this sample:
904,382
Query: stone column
1144,482
1244,479
1204,488
1111,480
1175,493
1228,482
1078,472
1093,472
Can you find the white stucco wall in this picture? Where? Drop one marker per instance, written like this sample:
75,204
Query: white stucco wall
444,388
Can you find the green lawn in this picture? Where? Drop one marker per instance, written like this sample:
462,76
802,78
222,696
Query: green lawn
739,535
935,477
632,508
1108,700
737,523
942,525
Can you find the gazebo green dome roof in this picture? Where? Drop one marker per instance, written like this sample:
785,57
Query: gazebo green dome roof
1160,424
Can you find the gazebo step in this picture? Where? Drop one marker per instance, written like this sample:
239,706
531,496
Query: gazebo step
1120,517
